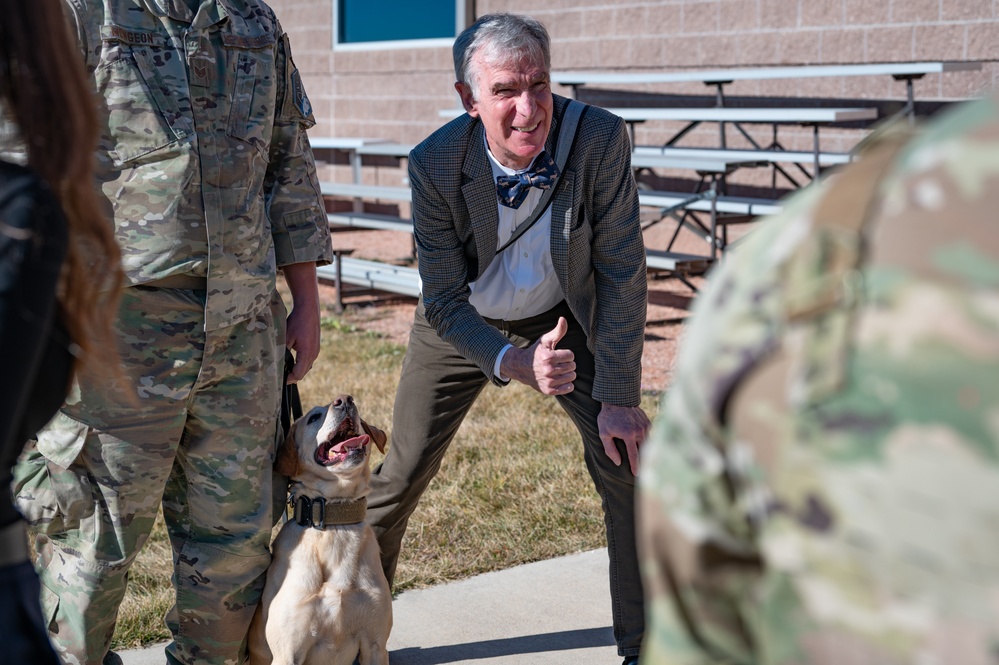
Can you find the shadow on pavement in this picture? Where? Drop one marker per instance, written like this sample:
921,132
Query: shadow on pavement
453,653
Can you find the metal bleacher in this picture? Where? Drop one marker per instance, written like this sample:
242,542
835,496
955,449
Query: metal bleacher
405,280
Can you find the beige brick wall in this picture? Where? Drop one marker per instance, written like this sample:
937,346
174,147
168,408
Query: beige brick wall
395,93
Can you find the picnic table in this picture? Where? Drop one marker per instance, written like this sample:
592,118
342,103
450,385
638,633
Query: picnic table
356,148
347,144
813,117
900,71
386,149
643,156
787,116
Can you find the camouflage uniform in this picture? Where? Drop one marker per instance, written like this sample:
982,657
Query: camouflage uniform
205,166
822,483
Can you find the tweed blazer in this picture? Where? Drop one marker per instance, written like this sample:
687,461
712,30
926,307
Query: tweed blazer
596,243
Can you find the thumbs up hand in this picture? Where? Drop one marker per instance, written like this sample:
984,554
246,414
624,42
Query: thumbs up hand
551,338
543,366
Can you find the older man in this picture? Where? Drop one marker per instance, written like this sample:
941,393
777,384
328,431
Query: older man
561,310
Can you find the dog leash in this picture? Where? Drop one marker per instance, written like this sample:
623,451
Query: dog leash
291,403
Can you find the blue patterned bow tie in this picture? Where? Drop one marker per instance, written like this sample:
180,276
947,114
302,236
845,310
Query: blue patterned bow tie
513,189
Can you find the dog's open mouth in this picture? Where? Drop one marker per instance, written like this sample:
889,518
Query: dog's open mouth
344,441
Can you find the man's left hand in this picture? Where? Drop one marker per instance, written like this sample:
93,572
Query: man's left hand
303,322
628,423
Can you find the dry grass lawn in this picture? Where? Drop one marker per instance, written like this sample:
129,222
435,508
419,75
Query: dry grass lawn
512,489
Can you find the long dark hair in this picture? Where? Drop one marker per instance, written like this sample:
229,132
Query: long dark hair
43,87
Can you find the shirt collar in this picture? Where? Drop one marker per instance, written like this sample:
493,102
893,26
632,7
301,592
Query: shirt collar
209,12
499,169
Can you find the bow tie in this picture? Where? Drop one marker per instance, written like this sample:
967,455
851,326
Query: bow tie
513,189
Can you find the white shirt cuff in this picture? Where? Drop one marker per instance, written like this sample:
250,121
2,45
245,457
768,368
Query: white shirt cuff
499,360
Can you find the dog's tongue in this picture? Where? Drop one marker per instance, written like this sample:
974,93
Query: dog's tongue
337,453
353,442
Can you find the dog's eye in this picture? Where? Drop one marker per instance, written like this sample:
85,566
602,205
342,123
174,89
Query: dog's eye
313,418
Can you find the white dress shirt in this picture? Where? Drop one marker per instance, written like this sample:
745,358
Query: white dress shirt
521,282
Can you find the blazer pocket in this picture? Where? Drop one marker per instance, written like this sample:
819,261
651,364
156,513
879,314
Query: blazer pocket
566,218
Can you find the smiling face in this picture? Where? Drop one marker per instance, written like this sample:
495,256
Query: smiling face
336,431
515,105
327,450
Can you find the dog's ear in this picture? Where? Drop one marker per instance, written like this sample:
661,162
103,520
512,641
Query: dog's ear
286,463
377,435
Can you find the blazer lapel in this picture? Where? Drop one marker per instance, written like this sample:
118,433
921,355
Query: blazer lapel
479,191
562,201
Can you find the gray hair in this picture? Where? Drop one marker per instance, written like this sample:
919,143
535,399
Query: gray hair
500,39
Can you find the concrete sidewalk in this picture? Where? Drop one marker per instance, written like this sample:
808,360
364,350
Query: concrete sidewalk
553,612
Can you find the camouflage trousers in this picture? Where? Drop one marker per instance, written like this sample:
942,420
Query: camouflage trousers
193,422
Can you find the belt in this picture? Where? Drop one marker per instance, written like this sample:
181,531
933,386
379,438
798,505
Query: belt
13,544
188,282
561,309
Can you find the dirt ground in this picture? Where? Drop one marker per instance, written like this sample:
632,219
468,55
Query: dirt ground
392,316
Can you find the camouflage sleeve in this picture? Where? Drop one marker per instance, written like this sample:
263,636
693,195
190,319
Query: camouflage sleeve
823,469
84,24
294,203
698,551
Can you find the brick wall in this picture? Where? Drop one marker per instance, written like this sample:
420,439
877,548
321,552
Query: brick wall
396,94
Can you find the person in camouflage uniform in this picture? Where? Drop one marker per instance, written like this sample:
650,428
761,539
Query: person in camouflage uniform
205,167
822,483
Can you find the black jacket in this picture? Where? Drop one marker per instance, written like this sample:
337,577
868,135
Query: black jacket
35,362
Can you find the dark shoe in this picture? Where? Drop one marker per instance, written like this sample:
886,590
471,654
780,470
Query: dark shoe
630,660
111,658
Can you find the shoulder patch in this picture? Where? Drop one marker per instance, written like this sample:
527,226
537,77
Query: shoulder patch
299,98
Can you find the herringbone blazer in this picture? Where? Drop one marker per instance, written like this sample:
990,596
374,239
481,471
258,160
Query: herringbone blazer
596,243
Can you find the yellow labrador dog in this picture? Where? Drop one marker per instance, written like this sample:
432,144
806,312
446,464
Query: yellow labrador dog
326,599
